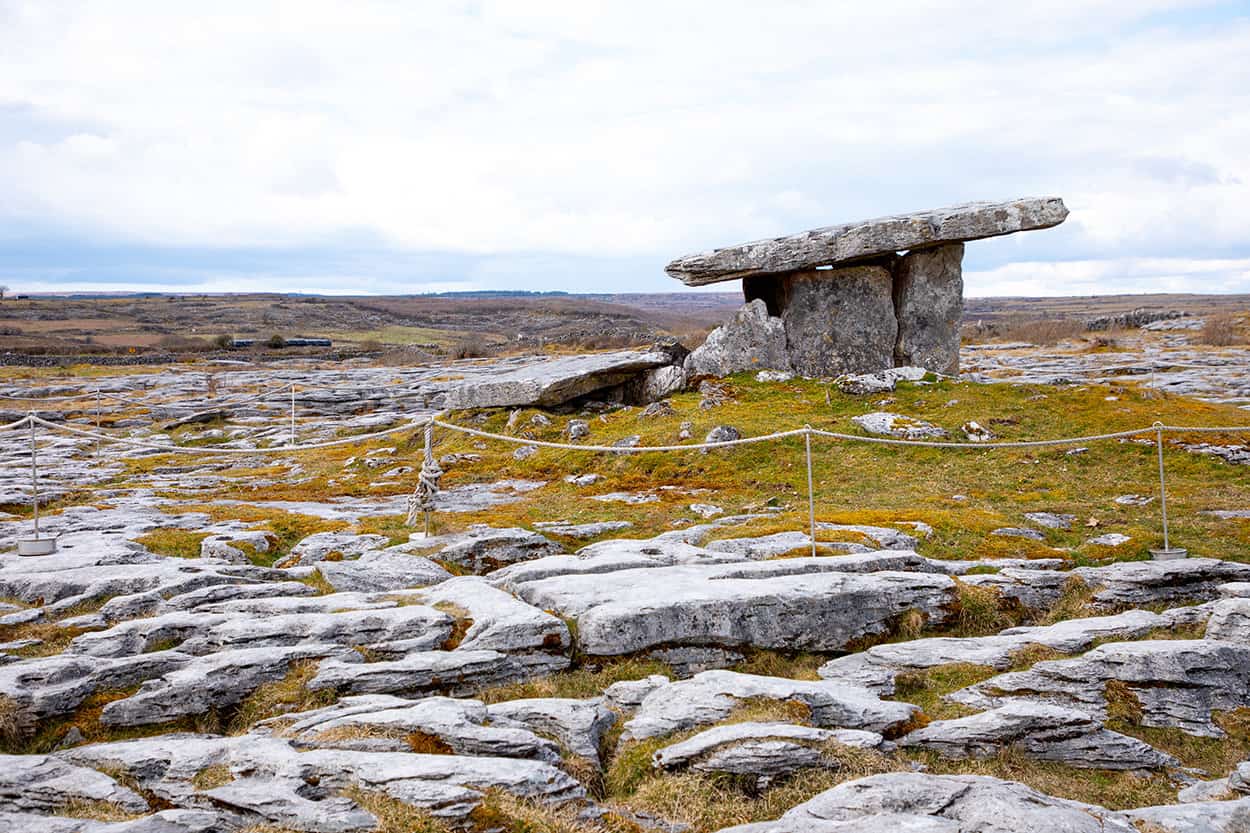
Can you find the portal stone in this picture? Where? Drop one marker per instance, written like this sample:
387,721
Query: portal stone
928,303
837,320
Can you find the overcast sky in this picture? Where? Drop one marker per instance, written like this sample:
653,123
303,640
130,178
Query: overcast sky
414,147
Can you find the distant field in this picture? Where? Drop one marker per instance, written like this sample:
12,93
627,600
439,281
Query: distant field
453,324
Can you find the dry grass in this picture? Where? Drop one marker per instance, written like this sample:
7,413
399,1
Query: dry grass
173,542
79,808
580,683
290,694
926,688
394,816
1216,757
982,611
1113,789
1074,602
1222,331
211,777
794,666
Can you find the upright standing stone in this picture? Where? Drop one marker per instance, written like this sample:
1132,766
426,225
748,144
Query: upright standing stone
928,302
751,340
837,320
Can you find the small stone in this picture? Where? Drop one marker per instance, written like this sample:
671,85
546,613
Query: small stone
582,479
723,434
662,408
977,433
1111,539
540,420
767,376
1017,532
896,425
706,510
578,429
525,452
1050,520
1133,500
684,432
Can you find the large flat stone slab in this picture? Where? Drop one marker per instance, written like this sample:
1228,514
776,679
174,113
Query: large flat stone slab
868,238
553,381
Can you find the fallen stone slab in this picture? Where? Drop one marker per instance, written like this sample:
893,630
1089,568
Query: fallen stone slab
1041,731
762,750
426,627
1173,683
712,696
57,685
919,803
868,238
321,546
553,381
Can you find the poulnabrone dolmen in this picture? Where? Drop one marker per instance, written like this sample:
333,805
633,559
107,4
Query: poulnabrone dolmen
854,298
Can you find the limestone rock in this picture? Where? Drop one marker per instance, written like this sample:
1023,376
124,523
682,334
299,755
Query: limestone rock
918,803
45,784
216,681
764,750
883,381
712,696
1051,520
579,725
553,381
877,667
868,238
836,322
483,549
1048,733
794,604
883,423
1140,583
381,723
1230,620
1203,817
455,673
751,340
928,302
382,570
323,546
1174,683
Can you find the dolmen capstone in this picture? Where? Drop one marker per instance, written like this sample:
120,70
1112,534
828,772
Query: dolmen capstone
853,298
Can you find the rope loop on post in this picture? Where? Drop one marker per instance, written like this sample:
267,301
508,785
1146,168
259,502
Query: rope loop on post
423,497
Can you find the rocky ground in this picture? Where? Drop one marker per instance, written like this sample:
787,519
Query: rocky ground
600,642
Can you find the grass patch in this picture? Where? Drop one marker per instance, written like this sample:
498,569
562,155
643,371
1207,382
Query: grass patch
1112,789
794,666
925,688
290,694
173,542
1214,756
580,683
211,777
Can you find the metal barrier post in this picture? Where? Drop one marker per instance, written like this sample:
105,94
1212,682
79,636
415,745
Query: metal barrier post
811,496
97,419
292,414
34,476
1167,553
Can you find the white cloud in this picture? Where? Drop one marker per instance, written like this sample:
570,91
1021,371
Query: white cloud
639,129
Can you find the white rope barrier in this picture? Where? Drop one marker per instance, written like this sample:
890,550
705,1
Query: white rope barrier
282,449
